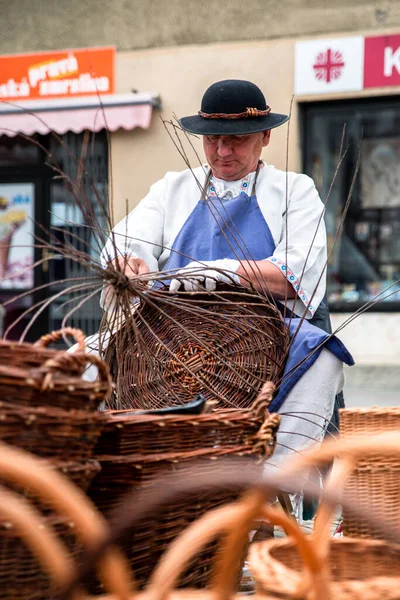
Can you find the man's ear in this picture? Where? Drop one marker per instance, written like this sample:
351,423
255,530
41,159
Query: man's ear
266,138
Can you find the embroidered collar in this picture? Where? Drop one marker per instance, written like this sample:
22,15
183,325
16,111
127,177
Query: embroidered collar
245,184
212,187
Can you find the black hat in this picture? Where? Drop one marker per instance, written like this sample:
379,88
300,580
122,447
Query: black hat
232,107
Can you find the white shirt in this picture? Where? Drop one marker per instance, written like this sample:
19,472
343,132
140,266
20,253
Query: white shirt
299,233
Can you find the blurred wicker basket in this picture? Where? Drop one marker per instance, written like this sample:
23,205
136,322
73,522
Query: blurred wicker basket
224,347
20,572
133,449
344,569
356,569
75,522
376,478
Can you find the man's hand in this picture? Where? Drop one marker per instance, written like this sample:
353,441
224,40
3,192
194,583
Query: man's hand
206,274
131,267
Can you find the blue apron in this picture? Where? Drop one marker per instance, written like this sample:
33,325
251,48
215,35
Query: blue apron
236,228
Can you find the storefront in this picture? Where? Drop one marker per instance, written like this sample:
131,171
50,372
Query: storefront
58,115
365,261
348,96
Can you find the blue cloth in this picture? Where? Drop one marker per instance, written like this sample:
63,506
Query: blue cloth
216,228
236,228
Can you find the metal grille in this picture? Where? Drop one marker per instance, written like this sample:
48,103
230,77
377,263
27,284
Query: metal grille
91,183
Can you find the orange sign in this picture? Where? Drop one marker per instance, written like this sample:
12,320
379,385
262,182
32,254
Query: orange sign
60,74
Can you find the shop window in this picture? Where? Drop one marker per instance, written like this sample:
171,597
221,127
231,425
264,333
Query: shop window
364,263
19,151
68,225
34,199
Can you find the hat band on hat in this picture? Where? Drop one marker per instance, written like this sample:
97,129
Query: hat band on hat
249,112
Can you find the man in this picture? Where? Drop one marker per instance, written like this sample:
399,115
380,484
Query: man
249,223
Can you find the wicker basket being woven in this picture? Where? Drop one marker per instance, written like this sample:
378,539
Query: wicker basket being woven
224,347
376,477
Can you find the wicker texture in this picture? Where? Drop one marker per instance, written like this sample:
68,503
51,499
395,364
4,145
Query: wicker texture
223,347
20,574
376,478
148,446
34,375
76,524
357,569
51,432
48,409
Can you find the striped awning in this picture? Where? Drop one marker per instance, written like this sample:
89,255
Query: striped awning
111,112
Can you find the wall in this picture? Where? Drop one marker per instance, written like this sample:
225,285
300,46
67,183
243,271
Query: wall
181,76
27,25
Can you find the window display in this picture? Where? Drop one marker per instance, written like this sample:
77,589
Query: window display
365,259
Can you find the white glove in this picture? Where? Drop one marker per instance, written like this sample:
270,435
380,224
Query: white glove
206,274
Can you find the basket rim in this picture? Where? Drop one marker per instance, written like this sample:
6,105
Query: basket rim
370,410
233,414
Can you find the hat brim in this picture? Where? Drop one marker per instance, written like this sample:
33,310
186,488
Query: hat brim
203,126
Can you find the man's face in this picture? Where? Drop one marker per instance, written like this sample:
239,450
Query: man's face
232,157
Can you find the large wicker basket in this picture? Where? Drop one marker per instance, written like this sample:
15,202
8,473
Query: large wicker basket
376,478
133,449
224,347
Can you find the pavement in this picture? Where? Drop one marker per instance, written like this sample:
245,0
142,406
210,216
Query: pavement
372,385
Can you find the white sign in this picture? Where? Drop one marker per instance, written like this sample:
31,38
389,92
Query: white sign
16,235
329,66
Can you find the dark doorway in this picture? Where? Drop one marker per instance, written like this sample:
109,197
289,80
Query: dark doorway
48,206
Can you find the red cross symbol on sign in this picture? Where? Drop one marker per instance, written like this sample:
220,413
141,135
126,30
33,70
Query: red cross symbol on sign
328,65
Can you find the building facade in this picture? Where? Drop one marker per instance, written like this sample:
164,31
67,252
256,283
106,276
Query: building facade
336,68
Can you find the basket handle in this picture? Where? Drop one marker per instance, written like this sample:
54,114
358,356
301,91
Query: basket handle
77,361
264,399
54,336
223,520
338,477
265,438
25,470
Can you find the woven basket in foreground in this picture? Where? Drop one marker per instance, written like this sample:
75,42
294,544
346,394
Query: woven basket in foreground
356,570
34,375
21,576
134,449
173,348
376,478
76,524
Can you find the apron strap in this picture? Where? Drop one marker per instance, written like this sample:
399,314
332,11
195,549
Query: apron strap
253,190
